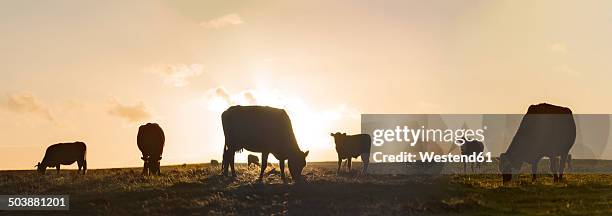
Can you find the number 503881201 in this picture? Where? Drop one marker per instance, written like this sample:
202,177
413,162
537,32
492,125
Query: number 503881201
36,201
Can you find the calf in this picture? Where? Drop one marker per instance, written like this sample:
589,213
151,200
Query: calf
470,148
64,154
252,159
353,146
214,163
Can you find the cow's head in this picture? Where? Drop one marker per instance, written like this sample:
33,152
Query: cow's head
41,168
505,167
338,137
297,164
151,163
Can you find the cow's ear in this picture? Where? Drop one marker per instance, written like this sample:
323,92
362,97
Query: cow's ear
344,134
306,153
331,134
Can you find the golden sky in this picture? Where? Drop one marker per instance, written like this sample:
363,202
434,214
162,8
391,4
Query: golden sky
94,70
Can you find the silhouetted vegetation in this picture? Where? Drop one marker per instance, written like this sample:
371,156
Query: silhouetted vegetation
201,190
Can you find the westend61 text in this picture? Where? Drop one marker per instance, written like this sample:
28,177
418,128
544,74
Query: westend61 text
379,157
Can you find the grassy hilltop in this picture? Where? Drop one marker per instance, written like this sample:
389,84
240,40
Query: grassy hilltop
200,190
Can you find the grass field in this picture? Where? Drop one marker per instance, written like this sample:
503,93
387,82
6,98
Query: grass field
200,190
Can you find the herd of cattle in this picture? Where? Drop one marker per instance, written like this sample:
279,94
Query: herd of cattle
545,131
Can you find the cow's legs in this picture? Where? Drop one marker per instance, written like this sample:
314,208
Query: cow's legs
57,168
465,168
339,164
534,170
569,163
157,167
84,166
80,166
224,162
231,157
365,159
349,163
554,163
228,155
562,166
145,165
472,166
264,164
281,163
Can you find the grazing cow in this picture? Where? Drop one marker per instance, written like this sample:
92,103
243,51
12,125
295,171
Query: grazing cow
470,148
214,163
353,146
545,131
64,154
261,129
252,159
150,141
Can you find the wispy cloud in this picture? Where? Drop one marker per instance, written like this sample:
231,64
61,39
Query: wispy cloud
566,69
220,99
132,113
558,47
223,21
178,75
27,103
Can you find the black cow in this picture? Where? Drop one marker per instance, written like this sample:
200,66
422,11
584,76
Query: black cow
261,129
214,163
252,159
545,131
353,146
64,154
471,147
150,141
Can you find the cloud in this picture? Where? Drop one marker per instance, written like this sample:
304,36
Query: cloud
131,113
27,103
250,98
223,21
178,75
558,47
223,94
566,69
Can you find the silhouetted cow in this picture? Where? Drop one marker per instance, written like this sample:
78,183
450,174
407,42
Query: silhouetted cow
214,163
546,130
252,159
150,141
353,146
64,154
261,129
470,148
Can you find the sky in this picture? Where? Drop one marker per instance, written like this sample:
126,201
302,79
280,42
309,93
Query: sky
93,71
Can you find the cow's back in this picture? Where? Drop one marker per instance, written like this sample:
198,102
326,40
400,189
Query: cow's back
470,147
354,145
65,153
546,130
150,139
258,129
